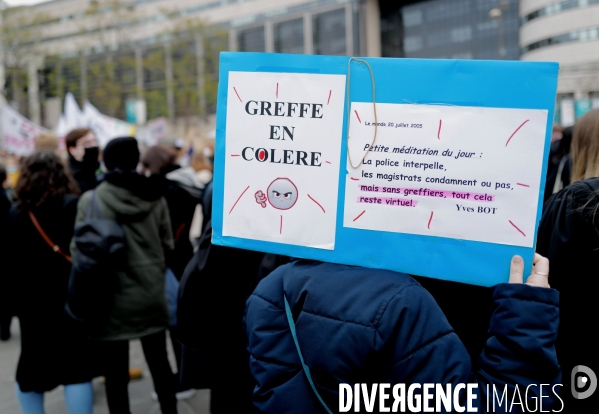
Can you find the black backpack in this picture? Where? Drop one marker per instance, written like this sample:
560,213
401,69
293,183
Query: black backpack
100,251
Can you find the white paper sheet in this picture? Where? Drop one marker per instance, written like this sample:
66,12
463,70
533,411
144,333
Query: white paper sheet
283,148
412,182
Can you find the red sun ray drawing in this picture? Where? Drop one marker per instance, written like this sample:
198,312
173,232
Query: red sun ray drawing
281,225
360,215
330,93
430,219
514,133
247,188
516,227
319,205
358,116
236,93
439,131
523,185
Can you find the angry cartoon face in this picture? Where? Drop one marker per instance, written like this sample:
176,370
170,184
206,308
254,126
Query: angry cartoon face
282,194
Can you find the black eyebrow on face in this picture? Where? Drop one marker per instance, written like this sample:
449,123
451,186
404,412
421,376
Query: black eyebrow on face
288,193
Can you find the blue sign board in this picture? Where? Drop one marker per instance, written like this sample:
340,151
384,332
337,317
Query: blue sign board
441,174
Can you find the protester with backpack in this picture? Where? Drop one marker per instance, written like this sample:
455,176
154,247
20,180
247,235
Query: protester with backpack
183,193
40,229
136,308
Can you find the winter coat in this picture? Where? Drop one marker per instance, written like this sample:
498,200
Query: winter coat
5,287
4,208
183,194
457,300
215,272
357,325
559,153
211,331
53,351
138,306
569,238
84,174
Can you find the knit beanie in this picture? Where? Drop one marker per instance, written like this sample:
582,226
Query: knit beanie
122,154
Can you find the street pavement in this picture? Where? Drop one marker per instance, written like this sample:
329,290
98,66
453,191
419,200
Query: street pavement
139,390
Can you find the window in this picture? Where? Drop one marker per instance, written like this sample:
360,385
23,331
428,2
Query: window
412,18
412,44
466,55
329,33
252,40
289,36
576,36
489,25
461,34
436,39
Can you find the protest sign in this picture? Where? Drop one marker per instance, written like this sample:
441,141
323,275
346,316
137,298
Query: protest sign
437,172
18,132
443,174
275,140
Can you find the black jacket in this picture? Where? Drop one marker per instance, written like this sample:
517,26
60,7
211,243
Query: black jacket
212,297
183,194
569,238
84,175
5,288
52,351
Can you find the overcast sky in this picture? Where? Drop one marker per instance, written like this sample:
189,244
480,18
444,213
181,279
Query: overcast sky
23,2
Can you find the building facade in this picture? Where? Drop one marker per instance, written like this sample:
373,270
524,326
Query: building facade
461,29
566,31
166,52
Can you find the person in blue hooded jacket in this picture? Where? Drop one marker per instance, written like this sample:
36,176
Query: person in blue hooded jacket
366,326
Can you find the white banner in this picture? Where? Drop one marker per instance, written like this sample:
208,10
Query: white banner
152,132
105,127
18,133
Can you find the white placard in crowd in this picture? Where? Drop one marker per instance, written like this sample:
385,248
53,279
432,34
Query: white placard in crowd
152,132
18,133
459,172
282,172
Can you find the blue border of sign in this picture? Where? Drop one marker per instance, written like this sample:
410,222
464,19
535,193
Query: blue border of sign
496,84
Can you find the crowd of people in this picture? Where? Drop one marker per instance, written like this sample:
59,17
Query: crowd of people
101,247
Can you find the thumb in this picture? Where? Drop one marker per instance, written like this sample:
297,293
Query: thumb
516,270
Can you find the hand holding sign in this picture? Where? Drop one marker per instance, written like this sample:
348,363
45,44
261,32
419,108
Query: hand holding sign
538,277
